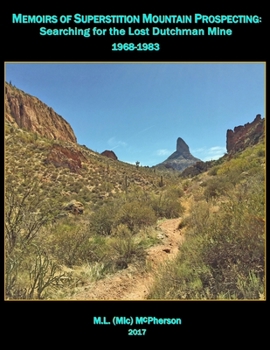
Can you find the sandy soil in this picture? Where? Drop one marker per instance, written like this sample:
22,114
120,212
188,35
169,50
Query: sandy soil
132,283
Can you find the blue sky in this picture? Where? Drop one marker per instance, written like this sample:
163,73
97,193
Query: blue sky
138,110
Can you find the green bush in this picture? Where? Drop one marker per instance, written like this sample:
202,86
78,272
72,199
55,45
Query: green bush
30,272
213,171
261,153
166,206
127,247
135,215
71,245
217,186
103,219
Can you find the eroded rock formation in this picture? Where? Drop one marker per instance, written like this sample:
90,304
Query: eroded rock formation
26,111
197,168
181,158
61,156
109,154
245,135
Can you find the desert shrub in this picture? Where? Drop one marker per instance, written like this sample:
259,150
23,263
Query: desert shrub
29,272
235,247
106,186
198,218
85,273
216,187
27,210
261,153
135,215
223,254
213,171
103,219
70,245
76,187
122,231
127,247
181,280
244,161
167,205
86,195
185,184
28,216
174,191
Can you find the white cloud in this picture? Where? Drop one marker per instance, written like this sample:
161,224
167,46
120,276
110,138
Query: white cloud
211,153
114,143
214,153
216,149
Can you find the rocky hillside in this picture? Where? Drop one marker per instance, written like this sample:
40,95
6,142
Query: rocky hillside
181,158
245,135
28,112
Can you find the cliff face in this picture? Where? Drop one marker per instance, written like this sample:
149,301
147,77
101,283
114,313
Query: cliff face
181,158
26,111
245,135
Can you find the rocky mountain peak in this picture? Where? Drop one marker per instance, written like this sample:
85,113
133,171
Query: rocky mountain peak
181,158
181,146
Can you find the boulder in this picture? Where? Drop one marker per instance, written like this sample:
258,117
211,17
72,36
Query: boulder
74,207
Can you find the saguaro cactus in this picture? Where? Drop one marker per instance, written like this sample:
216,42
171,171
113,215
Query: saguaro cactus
161,183
125,183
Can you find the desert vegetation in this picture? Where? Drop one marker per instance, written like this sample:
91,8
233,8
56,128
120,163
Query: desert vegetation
223,256
49,251
52,250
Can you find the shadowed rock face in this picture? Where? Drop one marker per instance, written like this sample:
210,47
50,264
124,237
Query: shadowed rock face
109,154
245,135
181,158
26,111
181,146
197,168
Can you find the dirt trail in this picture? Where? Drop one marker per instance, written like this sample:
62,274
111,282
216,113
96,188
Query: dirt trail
132,283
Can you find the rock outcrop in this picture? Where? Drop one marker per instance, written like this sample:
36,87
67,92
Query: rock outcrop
74,207
197,168
26,111
181,158
65,157
109,154
245,135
